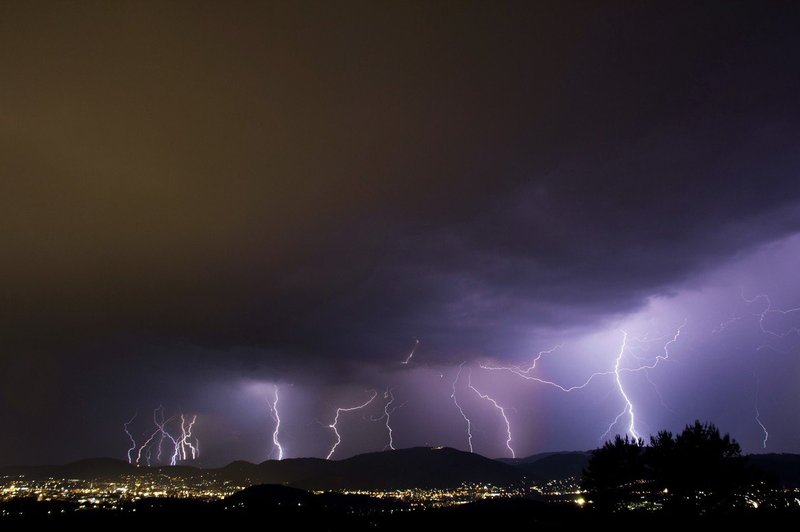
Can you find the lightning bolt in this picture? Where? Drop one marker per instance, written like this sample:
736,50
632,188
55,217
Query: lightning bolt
461,410
273,411
164,434
645,365
762,316
130,436
388,410
179,445
628,409
499,409
769,309
411,354
146,445
184,442
525,373
336,421
758,419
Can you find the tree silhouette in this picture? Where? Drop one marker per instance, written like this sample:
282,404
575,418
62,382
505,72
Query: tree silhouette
697,470
613,471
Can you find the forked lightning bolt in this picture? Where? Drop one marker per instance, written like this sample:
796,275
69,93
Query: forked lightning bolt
388,410
762,316
273,410
768,309
498,407
130,436
159,430
768,332
461,410
525,373
183,447
336,421
628,409
528,373
185,441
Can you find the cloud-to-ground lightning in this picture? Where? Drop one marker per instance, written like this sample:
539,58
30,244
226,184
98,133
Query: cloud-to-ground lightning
618,369
336,421
164,435
628,409
273,411
130,436
159,430
388,410
499,409
185,441
182,447
461,410
758,420
411,354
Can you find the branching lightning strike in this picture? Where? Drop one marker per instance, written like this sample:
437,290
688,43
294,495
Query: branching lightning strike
185,442
498,407
336,421
461,410
628,409
525,373
388,410
130,436
183,446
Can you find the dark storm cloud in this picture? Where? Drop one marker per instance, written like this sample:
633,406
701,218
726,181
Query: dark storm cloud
341,179
248,185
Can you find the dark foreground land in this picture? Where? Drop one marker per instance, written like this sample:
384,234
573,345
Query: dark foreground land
278,506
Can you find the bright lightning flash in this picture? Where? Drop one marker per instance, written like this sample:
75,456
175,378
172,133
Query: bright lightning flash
130,436
411,354
758,420
499,409
628,409
182,447
336,421
461,410
273,410
388,410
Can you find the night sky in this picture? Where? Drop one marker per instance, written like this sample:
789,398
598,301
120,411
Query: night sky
201,201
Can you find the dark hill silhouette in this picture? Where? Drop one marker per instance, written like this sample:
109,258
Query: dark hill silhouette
267,495
87,469
552,465
404,468
786,467
528,459
557,466
419,467
272,497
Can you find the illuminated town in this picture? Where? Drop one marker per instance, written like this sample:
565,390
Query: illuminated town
120,494
123,494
